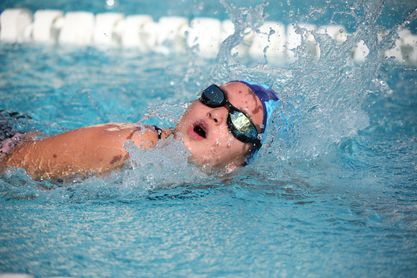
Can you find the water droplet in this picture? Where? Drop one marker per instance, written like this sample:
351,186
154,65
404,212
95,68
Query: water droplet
110,3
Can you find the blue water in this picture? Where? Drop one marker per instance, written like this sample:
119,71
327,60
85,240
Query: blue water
334,194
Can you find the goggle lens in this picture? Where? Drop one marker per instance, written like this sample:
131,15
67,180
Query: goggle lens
213,96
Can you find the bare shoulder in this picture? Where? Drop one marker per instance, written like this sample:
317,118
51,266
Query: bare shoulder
118,133
94,149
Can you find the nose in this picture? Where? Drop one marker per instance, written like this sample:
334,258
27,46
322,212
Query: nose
218,115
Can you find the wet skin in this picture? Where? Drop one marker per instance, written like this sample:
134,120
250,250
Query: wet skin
80,152
218,148
99,149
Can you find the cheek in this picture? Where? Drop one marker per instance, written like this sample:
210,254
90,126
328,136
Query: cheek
230,148
187,113
222,138
196,107
195,111
187,117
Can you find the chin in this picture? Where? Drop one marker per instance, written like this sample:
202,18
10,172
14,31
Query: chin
215,167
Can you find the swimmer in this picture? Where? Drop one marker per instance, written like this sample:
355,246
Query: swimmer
222,130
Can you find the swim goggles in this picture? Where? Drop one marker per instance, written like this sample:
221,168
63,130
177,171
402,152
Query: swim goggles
238,123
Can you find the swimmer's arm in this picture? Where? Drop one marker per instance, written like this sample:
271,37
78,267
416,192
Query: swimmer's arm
84,151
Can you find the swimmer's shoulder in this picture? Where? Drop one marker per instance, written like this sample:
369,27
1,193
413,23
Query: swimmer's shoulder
143,136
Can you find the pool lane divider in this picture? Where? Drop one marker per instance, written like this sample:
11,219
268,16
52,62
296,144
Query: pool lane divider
174,35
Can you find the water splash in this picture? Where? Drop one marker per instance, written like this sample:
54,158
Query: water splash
322,99
325,95
164,166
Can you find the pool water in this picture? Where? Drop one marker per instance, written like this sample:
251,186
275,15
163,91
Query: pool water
333,192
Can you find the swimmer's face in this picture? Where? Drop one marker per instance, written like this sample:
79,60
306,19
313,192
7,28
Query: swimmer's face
205,133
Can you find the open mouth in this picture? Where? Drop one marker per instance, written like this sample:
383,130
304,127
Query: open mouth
198,131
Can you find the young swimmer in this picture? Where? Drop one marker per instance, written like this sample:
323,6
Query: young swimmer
222,130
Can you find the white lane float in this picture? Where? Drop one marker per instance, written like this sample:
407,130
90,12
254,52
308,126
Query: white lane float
404,49
16,25
277,43
104,29
409,49
335,32
269,42
242,49
44,26
360,52
171,35
204,35
131,31
301,35
77,28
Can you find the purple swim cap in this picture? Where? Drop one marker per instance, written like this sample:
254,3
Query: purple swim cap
268,98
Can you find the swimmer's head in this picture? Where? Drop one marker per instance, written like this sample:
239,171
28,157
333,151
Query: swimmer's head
225,127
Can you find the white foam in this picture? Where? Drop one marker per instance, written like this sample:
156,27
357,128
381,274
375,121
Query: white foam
165,166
